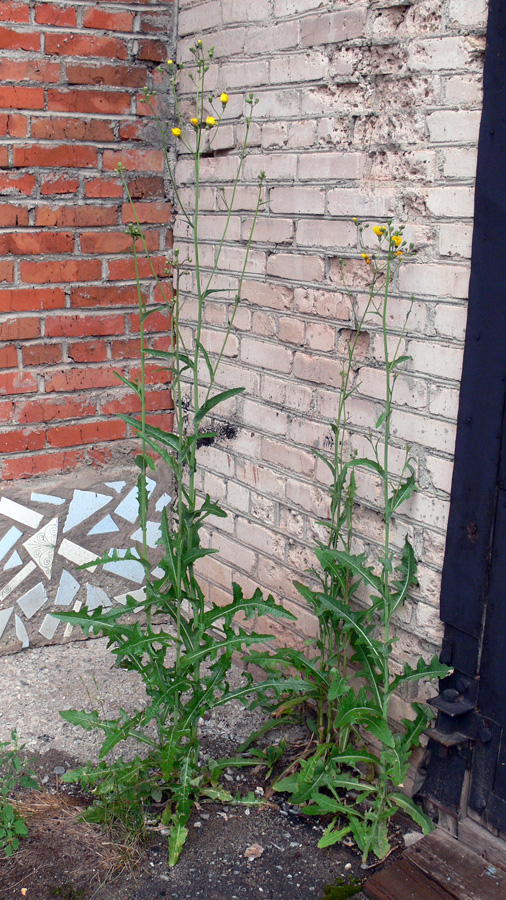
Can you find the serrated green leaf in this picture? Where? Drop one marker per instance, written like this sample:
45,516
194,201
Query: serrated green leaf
409,806
206,408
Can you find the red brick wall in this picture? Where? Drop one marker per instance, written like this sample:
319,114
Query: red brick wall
71,79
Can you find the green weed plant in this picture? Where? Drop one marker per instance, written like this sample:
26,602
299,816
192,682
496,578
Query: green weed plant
184,665
355,768
14,774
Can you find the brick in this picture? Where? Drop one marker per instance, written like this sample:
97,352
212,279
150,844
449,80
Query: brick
455,240
123,269
468,14
51,409
296,200
288,457
13,125
82,326
103,188
454,126
108,21
55,157
433,54
435,280
63,271
12,183
114,75
100,295
68,44
154,212
116,242
134,160
296,267
268,231
190,22
26,244
11,215
8,357
4,156
146,186
88,351
264,418
14,12
29,70
62,185
325,233
41,355
265,355
459,162
319,369
94,101
31,299
85,433
80,379
21,97
332,28
25,467
56,16
326,166
17,383
19,329
6,271
153,51
270,37
81,216
17,441
10,39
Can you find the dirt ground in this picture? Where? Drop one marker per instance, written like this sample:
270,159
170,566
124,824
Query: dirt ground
232,852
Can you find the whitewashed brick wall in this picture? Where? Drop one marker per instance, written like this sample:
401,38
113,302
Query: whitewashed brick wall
366,109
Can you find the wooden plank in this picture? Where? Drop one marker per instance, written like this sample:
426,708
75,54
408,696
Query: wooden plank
403,881
457,869
485,844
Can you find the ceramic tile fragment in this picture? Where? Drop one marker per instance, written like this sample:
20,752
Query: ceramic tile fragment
32,601
105,526
95,596
162,502
47,498
68,627
158,572
21,633
48,627
116,485
5,615
129,507
130,569
137,595
18,578
8,540
82,506
67,589
41,546
20,513
153,532
13,562
76,554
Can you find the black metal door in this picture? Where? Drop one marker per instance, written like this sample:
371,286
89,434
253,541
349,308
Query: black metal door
473,598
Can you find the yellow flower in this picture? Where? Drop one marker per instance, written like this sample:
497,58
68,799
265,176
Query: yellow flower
176,132
210,121
396,239
224,99
194,122
170,62
379,230
399,253
366,258
199,43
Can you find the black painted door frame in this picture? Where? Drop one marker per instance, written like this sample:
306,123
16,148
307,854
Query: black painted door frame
472,702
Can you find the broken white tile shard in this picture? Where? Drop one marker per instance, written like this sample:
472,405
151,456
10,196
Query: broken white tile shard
32,601
18,578
139,595
153,532
21,633
48,627
8,540
158,572
116,485
162,502
129,507
42,545
47,498
67,589
105,526
5,615
76,554
82,506
95,597
68,627
20,513
13,562
127,568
